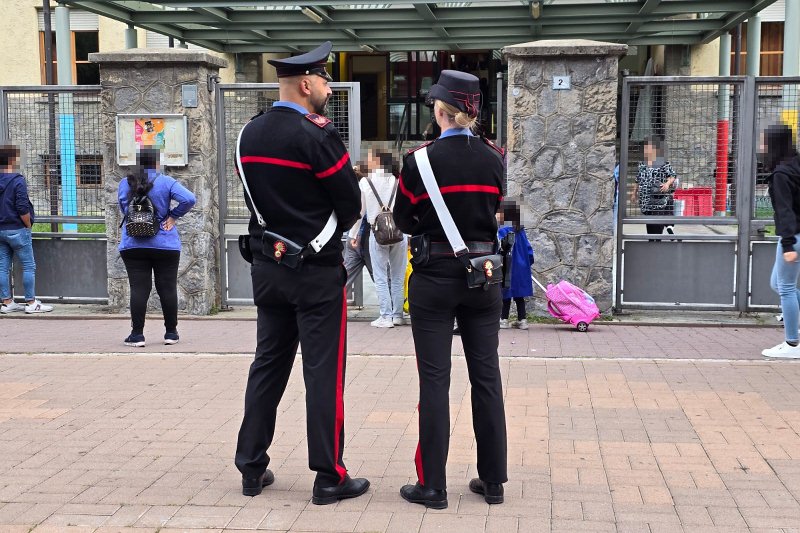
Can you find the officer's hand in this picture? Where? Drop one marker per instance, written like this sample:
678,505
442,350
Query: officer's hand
790,257
168,224
354,243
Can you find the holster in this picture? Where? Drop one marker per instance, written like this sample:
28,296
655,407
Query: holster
420,249
483,271
282,250
244,248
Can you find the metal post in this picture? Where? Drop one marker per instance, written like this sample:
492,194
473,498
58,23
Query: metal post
499,119
51,112
183,44
66,119
753,46
48,43
791,62
746,136
131,37
222,192
723,127
622,204
737,50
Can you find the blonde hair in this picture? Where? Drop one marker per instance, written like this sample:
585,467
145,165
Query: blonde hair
462,119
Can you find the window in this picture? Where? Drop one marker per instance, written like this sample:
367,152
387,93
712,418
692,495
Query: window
83,71
88,171
771,49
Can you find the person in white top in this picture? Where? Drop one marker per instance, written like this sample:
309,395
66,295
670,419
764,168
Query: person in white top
388,261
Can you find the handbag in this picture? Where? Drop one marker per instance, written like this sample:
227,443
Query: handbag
482,271
277,247
384,228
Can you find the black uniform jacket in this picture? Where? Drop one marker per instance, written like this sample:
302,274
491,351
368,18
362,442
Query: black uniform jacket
298,170
469,171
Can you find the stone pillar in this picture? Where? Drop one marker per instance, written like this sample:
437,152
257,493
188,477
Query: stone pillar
561,157
148,81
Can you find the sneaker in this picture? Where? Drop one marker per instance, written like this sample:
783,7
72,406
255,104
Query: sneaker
671,230
171,337
779,317
397,321
782,351
504,324
12,307
522,324
382,322
37,307
135,340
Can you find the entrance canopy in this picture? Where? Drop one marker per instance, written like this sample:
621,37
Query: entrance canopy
405,25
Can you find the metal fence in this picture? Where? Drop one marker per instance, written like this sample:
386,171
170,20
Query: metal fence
236,104
59,131
715,251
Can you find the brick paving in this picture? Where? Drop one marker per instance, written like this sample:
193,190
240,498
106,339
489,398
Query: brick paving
627,428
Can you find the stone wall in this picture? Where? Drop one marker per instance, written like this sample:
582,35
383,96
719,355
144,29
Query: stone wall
149,82
561,157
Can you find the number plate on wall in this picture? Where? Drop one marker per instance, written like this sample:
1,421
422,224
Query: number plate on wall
561,83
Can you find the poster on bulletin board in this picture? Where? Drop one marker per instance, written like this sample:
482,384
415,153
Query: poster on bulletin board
167,133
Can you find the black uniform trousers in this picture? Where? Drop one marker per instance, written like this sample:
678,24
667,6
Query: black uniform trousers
434,303
308,307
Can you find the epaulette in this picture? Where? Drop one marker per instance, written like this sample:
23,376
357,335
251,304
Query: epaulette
418,147
318,120
257,115
494,146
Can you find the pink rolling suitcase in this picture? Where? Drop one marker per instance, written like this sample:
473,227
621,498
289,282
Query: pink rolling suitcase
570,304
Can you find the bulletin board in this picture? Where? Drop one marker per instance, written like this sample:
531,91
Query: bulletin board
167,132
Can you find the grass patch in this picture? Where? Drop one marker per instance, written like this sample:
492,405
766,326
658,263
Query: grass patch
45,227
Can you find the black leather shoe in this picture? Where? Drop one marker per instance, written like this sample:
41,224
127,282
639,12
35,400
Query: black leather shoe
492,492
349,488
251,486
431,498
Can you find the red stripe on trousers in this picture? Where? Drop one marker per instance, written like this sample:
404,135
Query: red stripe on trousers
335,168
418,461
274,161
340,390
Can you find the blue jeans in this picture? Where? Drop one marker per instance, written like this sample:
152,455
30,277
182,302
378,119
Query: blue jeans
17,242
389,273
784,282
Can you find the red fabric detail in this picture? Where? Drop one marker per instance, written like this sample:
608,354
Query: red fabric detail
335,168
342,471
418,459
488,189
274,161
318,120
411,151
494,146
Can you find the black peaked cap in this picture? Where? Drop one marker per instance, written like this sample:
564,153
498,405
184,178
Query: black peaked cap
312,62
459,89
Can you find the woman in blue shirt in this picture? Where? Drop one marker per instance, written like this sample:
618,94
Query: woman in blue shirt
159,255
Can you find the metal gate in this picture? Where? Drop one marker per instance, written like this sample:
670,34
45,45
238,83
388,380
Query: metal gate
236,104
720,254
58,130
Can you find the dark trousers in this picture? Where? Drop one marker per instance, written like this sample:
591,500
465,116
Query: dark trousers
355,259
435,302
521,314
142,264
308,307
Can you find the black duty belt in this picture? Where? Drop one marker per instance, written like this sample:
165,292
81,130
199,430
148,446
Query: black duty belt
475,247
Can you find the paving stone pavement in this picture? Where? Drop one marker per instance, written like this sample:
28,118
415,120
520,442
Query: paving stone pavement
626,428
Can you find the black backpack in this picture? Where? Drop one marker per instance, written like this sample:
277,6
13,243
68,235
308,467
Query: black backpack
141,219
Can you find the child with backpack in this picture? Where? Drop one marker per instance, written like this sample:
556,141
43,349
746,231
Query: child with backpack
521,262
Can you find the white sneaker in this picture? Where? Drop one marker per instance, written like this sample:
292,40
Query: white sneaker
382,322
12,307
38,307
782,351
397,321
522,324
779,317
504,324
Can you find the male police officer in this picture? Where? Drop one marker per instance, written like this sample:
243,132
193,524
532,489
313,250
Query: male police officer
302,193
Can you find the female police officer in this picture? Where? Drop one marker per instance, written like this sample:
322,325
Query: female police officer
468,171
